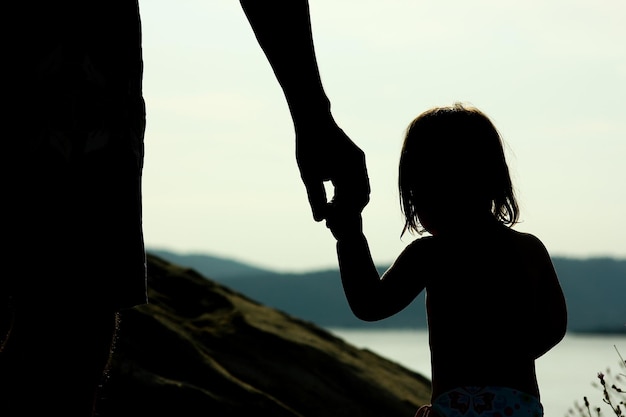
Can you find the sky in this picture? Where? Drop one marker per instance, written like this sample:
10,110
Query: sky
220,175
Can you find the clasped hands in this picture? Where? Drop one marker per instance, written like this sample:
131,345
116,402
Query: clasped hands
325,153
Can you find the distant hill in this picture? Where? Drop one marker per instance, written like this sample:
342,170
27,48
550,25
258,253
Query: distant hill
219,267
595,289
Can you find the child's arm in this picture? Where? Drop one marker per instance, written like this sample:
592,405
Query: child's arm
551,309
371,297
323,151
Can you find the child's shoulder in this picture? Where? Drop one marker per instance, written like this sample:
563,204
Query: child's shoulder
508,239
528,243
423,246
423,242
525,238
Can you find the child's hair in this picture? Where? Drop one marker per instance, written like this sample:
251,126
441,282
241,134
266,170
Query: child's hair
452,166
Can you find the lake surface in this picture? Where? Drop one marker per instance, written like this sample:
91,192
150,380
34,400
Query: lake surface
565,374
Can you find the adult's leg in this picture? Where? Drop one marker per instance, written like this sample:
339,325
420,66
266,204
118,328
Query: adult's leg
54,359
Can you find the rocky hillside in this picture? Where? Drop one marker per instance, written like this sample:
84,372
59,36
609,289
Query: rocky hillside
201,349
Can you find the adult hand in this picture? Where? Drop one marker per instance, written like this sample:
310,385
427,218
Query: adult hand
325,153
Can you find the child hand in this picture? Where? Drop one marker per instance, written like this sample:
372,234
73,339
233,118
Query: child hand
343,223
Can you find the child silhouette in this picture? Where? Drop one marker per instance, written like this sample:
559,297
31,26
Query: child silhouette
493,299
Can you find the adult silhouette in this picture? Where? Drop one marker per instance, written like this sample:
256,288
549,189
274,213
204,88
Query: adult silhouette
73,179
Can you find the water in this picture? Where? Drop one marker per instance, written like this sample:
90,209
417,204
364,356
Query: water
565,374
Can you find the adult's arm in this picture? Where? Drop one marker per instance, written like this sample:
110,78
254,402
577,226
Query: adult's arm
323,151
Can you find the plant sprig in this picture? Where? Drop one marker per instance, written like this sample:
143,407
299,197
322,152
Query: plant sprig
612,395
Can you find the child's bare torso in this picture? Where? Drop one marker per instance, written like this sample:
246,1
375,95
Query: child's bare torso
486,301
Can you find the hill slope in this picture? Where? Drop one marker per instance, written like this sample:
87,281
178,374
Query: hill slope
201,349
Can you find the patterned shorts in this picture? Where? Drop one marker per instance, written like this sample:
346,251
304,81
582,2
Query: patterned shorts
487,402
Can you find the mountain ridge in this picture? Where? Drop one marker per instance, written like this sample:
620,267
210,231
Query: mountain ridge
593,287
